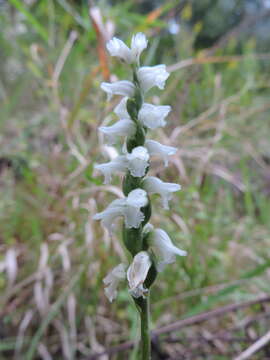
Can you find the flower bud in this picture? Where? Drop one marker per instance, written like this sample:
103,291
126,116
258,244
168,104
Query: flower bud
118,48
137,273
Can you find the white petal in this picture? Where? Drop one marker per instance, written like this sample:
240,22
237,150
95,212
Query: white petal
138,270
133,216
153,116
122,87
121,109
109,151
113,211
118,164
164,249
129,208
137,198
122,127
153,185
138,161
117,47
155,148
150,76
112,280
138,44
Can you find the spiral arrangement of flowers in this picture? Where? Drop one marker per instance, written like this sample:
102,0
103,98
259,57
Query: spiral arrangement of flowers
151,248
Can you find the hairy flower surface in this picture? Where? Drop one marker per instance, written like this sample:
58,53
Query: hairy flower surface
120,128
137,273
112,280
150,76
154,185
163,248
122,87
164,151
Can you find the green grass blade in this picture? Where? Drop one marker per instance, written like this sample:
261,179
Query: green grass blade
31,19
227,290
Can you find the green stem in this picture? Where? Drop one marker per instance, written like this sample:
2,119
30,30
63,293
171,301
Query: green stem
145,332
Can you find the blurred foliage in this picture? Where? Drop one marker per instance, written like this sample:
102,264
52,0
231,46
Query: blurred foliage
51,106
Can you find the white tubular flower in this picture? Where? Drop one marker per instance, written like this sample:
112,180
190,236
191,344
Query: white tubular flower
118,48
121,109
150,76
112,280
153,116
153,185
122,87
113,211
138,161
138,44
137,273
122,127
119,164
133,216
163,248
164,151
129,208
137,198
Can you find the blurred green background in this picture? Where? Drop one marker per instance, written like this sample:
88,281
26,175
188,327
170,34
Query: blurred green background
53,257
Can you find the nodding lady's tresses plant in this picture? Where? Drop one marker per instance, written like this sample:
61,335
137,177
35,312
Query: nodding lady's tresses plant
151,248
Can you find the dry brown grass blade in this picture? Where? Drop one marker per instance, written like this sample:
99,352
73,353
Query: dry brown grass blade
103,60
154,14
258,345
192,320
